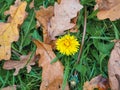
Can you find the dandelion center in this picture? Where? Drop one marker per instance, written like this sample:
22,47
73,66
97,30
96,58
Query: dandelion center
67,43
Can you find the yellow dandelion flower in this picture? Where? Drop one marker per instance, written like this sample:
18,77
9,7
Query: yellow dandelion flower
67,45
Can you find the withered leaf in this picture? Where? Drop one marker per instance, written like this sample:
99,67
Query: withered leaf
74,29
52,74
9,31
63,13
32,4
9,88
108,9
25,60
98,82
58,1
43,16
114,67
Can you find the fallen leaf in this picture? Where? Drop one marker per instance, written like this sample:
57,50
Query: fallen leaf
98,82
114,67
73,20
17,13
37,24
43,16
9,88
9,31
25,60
32,4
17,2
52,74
74,29
63,13
108,9
58,1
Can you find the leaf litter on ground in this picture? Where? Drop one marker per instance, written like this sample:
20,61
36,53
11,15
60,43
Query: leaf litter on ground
55,25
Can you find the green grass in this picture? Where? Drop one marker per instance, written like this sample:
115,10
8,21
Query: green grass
95,54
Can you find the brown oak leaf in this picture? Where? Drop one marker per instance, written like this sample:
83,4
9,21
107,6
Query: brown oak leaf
114,67
63,13
9,31
108,9
98,82
25,60
9,88
74,20
43,16
52,74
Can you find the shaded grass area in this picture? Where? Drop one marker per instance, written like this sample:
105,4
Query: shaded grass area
95,54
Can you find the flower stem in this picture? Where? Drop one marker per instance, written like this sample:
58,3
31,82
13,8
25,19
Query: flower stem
66,73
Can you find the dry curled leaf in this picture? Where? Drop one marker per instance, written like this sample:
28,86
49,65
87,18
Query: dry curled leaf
9,31
25,60
98,82
114,67
43,16
63,13
9,88
108,9
52,74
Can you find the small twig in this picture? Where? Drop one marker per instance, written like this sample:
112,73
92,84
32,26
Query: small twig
83,37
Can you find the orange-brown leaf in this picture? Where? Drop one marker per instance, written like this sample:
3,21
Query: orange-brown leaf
98,82
9,31
58,1
43,16
25,60
52,74
114,67
63,13
108,9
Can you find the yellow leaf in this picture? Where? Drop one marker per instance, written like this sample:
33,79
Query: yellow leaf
9,32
